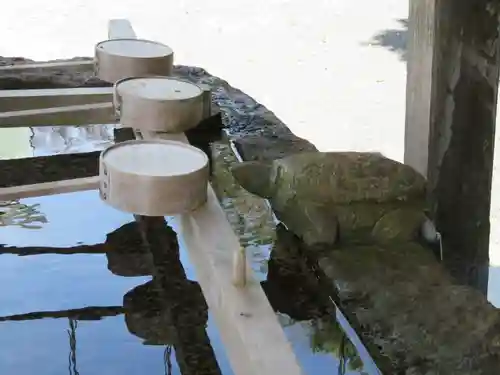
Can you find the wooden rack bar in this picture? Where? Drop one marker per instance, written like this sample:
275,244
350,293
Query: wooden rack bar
49,188
19,100
85,114
253,338
81,66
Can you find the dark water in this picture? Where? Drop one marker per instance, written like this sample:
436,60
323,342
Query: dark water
106,309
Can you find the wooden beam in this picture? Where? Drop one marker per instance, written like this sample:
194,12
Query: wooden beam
49,188
81,66
181,300
120,28
253,337
85,114
18,100
420,66
453,76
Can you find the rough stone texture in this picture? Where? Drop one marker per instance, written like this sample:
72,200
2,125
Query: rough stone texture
322,196
63,78
335,178
414,312
258,148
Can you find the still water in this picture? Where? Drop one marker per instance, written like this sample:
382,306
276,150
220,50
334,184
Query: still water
78,294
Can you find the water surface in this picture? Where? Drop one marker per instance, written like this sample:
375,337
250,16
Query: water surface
63,312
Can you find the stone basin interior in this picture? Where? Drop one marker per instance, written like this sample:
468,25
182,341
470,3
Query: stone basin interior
76,313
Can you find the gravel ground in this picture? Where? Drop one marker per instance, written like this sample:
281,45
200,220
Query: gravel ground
311,65
315,64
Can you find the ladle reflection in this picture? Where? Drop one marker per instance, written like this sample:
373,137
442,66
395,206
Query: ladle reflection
170,310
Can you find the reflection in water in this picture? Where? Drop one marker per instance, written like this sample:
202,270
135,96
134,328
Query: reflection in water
127,255
14,143
180,300
328,337
167,311
87,313
170,310
72,344
289,276
51,140
249,216
22,215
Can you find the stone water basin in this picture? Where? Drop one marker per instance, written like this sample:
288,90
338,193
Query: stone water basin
79,295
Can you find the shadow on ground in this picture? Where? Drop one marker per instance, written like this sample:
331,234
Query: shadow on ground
393,39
